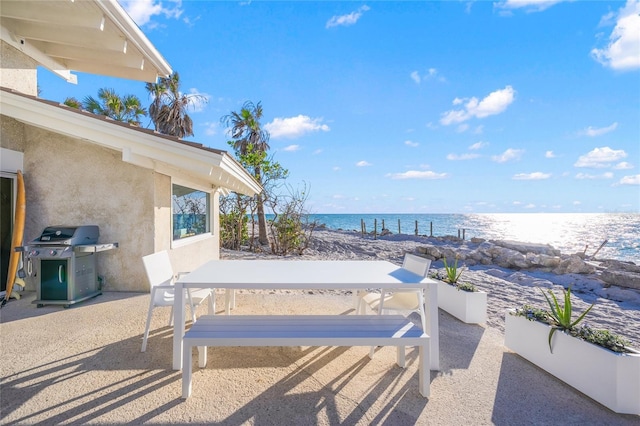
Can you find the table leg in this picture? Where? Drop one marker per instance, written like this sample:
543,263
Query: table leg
431,294
178,325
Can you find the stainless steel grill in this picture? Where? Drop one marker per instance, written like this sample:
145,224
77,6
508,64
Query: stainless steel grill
63,261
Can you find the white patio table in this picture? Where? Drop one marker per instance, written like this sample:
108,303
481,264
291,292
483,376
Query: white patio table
304,275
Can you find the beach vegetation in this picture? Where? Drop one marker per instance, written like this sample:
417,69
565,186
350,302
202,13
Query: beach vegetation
290,228
249,139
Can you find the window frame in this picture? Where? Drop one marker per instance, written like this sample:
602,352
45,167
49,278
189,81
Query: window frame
209,222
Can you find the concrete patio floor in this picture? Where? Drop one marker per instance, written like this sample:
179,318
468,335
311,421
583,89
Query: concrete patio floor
84,365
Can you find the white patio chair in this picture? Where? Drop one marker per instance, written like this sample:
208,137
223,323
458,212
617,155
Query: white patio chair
405,301
161,279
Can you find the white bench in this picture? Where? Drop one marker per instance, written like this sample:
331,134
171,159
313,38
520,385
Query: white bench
305,330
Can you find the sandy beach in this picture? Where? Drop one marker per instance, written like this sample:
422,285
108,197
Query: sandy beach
83,365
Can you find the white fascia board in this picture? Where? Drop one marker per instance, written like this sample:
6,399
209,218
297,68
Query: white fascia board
139,147
123,21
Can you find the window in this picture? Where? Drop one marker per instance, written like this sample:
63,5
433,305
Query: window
190,212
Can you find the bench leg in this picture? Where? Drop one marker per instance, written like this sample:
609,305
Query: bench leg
202,356
186,370
400,357
424,372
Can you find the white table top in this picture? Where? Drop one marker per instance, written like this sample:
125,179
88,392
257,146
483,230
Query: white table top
302,274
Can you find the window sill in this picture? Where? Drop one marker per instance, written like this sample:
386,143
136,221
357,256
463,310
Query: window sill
190,240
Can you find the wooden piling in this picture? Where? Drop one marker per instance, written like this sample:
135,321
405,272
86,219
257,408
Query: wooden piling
399,232
416,230
375,229
431,229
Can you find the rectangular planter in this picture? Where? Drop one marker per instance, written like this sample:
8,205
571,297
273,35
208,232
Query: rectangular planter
468,307
610,378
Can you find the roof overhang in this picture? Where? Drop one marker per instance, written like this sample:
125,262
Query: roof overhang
91,36
191,162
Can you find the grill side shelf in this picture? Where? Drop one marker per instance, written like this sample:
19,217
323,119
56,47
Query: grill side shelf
94,248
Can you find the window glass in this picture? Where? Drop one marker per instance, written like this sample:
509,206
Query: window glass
190,209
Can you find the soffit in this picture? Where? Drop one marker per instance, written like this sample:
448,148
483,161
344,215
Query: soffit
96,37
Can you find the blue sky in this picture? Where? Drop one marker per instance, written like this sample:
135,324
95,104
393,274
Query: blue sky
416,107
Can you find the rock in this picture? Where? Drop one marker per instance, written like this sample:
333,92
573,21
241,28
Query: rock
475,240
621,278
525,248
574,265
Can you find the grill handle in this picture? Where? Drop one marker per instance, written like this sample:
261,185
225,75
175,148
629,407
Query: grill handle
60,271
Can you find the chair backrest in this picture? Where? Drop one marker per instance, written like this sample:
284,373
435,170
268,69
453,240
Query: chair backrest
416,264
158,267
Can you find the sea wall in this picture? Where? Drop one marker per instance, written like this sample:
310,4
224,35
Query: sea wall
527,256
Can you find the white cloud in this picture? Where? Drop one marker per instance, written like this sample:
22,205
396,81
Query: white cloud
532,176
529,5
508,155
348,19
432,73
549,154
141,11
317,151
577,203
623,51
582,176
630,180
411,143
417,174
462,128
600,157
592,131
292,148
530,206
623,166
494,103
294,127
455,157
212,128
336,168
363,163
478,145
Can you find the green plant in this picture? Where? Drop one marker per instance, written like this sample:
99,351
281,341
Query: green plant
451,271
561,315
603,338
533,314
467,287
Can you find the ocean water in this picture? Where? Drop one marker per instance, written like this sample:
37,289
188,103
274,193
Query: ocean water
568,232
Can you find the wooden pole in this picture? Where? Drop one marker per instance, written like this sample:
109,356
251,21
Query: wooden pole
458,233
463,232
416,230
363,228
431,229
399,232
375,229
382,225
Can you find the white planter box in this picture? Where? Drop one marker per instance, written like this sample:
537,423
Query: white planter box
611,379
468,307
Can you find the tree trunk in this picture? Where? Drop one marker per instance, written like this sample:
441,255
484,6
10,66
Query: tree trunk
262,223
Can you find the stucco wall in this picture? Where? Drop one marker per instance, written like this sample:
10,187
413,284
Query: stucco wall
11,134
71,182
17,70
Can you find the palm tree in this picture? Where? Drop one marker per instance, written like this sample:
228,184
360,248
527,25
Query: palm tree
126,108
72,102
249,136
168,110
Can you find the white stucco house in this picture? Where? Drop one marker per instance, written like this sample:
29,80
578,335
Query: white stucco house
83,169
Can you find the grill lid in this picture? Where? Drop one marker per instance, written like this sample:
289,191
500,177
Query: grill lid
69,235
